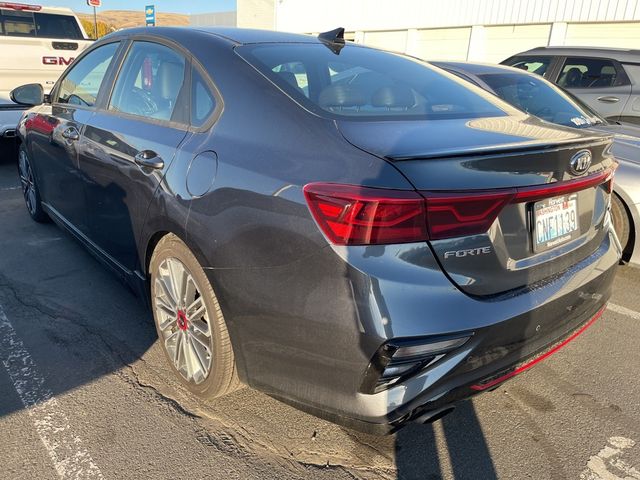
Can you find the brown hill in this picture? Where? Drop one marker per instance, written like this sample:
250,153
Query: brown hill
130,18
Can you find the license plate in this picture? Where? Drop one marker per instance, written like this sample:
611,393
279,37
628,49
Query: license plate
555,222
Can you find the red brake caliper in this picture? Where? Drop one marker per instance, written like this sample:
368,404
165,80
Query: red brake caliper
182,320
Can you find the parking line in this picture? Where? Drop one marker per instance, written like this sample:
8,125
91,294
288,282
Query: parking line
624,311
69,458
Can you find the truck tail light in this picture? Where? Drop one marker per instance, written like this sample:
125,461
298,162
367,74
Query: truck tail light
23,7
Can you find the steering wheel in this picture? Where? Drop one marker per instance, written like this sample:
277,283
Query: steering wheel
140,102
74,99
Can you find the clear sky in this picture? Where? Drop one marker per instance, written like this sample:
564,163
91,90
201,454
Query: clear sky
168,6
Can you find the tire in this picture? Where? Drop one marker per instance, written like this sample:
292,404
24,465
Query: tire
621,223
204,362
30,190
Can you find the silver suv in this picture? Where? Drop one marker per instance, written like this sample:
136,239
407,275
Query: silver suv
607,79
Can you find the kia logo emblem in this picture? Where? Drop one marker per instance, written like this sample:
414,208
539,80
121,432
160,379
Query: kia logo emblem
580,162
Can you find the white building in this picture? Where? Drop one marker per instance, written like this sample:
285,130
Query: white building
221,19
479,30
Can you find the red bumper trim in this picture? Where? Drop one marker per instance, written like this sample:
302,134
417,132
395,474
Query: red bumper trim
535,361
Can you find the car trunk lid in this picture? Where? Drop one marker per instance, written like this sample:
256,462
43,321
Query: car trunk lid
505,207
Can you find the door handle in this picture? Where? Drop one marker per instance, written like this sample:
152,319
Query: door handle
608,99
71,133
149,159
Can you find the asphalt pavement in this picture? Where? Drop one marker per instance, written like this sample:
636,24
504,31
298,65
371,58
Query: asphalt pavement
84,393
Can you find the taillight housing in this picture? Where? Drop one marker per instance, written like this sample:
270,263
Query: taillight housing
22,7
356,215
457,215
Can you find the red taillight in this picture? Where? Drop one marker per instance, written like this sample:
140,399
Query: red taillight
532,194
457,215
353,215
21,6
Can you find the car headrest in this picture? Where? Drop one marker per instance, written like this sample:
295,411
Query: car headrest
169,80
393,96
341,96
573,77
289,77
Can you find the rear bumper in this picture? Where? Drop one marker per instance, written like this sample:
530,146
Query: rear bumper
314,353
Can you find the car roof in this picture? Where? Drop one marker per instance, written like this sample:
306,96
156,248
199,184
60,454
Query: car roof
620,54
251,35
238,36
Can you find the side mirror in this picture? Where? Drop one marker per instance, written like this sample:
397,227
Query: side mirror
31,94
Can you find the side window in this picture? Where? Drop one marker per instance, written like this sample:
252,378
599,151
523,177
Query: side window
17,23
295,74
150,82
591,73
203,103
537,65
57,26
633,71
81,85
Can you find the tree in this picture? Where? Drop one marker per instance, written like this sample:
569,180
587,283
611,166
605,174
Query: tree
103,28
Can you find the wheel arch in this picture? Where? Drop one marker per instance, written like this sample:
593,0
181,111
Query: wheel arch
153,238
632,216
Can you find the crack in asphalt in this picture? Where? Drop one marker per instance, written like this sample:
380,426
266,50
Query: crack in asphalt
77,320
164,398
222,440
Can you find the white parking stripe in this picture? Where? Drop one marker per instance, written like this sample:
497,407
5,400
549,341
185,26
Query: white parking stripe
608,464
70,459
624,311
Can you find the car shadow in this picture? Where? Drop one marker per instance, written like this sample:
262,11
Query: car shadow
76,320
419,449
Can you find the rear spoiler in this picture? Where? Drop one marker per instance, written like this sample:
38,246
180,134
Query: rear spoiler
505,149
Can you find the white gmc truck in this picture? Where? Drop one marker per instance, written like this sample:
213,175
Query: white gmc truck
36,44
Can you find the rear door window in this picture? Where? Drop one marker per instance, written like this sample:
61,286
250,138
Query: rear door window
57,26
81,85
43,25
17,23
591,73
533,64
150,82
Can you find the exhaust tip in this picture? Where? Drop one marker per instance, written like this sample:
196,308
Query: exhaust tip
11,133
434,415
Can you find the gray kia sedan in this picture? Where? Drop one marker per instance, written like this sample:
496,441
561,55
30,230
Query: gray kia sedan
606,79
355,232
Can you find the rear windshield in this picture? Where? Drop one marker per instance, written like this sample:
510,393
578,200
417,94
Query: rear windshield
356,82
34,24
537,97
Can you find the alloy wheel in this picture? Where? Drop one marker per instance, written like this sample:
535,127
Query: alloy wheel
26,179
183,320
